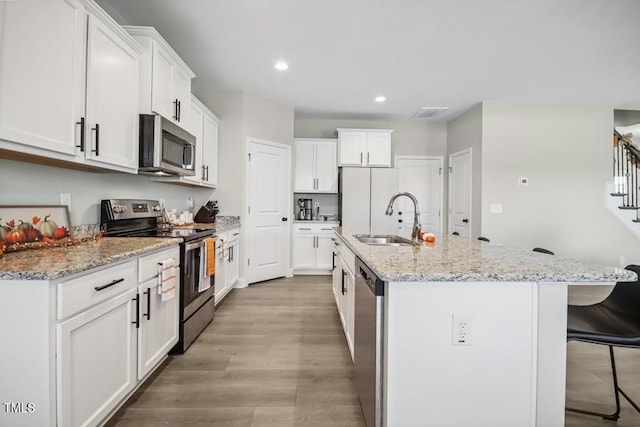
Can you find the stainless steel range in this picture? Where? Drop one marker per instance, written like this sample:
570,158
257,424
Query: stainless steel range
139,218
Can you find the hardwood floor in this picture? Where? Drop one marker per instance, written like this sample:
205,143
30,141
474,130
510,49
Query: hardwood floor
275,355
589,381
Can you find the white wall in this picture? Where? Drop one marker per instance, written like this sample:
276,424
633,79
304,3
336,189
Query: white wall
34,184
464,132
565,152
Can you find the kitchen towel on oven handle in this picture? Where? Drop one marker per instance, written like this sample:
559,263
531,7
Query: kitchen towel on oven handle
167,279
207,264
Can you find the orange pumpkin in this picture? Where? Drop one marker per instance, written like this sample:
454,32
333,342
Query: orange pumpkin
33,235
60,233
15,236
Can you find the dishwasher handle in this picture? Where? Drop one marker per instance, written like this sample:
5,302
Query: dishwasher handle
373,282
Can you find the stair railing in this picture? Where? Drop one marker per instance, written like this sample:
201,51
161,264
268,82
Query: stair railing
626,161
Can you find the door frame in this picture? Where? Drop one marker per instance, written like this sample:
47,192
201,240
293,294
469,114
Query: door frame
441,162
288,208
450,190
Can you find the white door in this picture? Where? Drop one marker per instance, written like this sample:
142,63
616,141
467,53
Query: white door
269,197
422,177
378,149
460,193
305,172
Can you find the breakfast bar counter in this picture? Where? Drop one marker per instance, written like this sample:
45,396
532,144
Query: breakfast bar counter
469,333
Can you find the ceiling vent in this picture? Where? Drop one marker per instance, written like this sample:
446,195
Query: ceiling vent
428,112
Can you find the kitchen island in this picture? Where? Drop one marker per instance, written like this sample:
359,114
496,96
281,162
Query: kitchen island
509,367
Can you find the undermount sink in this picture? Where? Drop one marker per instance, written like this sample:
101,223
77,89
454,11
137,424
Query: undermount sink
383,239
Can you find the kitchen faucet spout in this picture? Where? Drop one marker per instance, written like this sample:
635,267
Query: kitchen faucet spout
415,232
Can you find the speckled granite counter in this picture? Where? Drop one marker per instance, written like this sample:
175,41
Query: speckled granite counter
223,223
54,263
458,259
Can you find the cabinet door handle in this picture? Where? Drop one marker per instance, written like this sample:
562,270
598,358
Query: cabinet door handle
304,228
236,234
179,110
108,285
148,294
81,123
137,321
175,109
207,173
333,261
203,176
367,157
343,274
361,157
97,129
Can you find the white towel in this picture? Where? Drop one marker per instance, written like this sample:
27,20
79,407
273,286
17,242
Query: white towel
167,279
205,281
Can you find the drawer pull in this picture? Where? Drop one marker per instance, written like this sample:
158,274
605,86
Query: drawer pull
302,228
108,285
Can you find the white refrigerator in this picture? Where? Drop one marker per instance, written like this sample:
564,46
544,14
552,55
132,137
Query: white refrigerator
363,195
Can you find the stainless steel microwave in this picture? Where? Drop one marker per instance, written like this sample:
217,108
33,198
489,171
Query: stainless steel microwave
165,148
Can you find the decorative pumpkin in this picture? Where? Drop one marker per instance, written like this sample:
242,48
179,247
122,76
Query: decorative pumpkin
16,236
60,233
3,232
33,235
47,228
24,226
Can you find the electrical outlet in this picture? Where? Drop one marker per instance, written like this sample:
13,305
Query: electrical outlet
461,330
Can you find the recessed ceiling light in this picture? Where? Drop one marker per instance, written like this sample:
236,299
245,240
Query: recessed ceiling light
281,65
381,98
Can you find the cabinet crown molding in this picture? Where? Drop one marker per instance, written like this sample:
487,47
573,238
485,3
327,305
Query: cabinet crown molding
97,11
363,130
154,35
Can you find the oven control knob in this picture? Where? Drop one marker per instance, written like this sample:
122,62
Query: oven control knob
156,208
117,209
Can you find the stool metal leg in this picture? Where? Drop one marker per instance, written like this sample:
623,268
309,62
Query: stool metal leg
616,389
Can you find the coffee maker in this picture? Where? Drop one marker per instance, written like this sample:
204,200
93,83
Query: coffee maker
305,209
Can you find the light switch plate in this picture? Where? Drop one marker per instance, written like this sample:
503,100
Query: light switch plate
65,199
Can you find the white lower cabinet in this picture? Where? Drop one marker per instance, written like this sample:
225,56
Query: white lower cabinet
344,289
96,361
312,248
158,320
227,262
84,343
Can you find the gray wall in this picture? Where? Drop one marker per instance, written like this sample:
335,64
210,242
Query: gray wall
565,152
408,138
242,116
34,184
464,132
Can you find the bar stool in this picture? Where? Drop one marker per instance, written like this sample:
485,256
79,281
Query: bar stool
614,322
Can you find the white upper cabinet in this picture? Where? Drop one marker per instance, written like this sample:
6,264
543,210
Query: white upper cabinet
113,70
165,79
204,126
42,73
364,147
316,169
50,52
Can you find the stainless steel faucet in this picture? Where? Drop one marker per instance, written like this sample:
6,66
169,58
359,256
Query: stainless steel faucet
416,212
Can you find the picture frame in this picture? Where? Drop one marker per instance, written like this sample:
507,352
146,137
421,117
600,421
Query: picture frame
24,225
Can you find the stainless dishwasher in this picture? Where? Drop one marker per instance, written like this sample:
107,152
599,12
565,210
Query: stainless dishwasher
369,339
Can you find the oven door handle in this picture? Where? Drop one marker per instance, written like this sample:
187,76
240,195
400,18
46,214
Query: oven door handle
191,246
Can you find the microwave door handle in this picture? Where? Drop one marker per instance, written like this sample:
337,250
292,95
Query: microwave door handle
157,140
186,155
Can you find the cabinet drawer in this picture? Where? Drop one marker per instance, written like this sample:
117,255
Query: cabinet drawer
83,292
314,228
349,258
148,265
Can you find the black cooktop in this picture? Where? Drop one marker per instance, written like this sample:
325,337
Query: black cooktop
185,233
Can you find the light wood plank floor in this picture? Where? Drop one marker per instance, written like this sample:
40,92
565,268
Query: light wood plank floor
275,355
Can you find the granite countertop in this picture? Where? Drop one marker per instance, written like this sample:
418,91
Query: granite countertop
458,259
223,223
54,263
